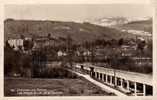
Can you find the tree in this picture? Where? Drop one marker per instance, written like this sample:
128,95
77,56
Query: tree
22,36
86,44
92,53
28,44
141,45
39,59
69,49
49,36
12,61
149,49
7,45
120,42
114,59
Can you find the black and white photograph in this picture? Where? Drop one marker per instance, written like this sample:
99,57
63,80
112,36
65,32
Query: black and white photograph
78,50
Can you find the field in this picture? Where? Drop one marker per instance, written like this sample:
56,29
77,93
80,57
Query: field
51,87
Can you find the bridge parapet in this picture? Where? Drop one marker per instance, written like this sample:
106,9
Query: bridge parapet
118,78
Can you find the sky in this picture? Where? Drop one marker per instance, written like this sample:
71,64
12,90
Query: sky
76,12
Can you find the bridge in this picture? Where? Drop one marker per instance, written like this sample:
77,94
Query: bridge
130,83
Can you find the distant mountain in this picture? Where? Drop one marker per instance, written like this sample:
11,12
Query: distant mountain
108,21
137,26
78,31
115,21
142,25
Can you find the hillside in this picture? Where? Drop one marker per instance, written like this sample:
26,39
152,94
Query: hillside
145,25
78,31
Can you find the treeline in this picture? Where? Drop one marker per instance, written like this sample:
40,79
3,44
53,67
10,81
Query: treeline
16,63
33,65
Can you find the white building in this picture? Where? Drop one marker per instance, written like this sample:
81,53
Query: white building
16,43
60,53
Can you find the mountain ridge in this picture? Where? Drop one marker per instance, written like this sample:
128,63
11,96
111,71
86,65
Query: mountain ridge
78,31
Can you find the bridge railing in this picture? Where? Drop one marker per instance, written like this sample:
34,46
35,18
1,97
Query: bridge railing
127,82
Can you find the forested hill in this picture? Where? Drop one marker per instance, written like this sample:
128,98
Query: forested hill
78,31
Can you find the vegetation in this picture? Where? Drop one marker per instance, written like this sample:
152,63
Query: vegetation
79,32
80,42
16,63
70,38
